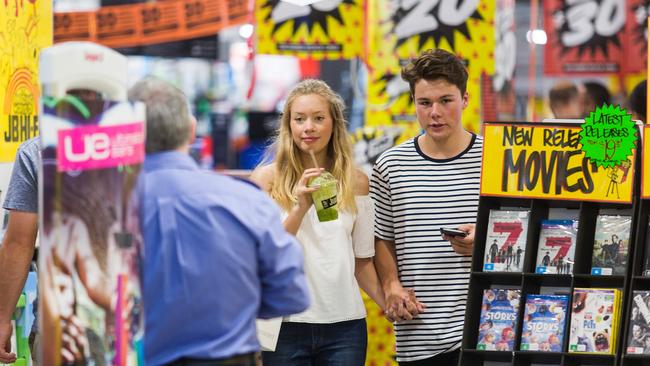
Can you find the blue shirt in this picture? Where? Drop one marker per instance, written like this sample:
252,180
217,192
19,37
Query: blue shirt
216,258
22,193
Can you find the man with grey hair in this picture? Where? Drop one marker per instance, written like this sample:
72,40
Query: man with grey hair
216,254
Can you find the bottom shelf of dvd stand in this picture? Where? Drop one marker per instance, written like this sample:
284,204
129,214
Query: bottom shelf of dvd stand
636,360
549,286
526,358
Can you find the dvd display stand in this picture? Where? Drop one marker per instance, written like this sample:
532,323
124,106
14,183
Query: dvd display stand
540,168
640,264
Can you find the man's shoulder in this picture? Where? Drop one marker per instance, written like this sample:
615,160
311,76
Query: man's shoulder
240,189
30,148
226,182
22,192
243,197
206,188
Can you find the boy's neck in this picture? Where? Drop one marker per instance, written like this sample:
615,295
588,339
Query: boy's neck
445,149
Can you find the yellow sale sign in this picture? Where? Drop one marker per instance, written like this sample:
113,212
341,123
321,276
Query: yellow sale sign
645,178
399,31
26,27
546,161
331,29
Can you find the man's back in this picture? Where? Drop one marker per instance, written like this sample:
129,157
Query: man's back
216,257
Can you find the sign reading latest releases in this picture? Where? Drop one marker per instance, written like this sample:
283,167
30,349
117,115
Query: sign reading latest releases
545,161
608,136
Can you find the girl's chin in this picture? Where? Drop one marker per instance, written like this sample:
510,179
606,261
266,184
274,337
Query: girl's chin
306,148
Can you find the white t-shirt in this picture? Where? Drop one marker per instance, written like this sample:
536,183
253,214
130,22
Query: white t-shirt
330,249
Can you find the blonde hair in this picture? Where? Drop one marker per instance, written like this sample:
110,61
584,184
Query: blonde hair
288,165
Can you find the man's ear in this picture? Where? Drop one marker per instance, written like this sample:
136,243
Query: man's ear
192,135
465,100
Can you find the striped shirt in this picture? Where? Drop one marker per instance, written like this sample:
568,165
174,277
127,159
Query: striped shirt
415,196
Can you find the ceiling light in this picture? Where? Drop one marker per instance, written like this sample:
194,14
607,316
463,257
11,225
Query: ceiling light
536,36
246,31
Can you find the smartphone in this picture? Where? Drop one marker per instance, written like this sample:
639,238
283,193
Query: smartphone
453,232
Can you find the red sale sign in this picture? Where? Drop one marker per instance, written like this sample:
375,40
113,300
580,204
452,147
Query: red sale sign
585,36
636,36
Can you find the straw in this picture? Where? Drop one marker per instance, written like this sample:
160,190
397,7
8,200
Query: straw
313,158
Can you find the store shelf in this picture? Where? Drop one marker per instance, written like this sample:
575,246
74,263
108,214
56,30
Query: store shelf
586,211
535,357
555,280
576,359
583,280
475,356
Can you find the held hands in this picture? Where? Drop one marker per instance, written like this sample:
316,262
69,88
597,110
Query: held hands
401,304
302,192
462,245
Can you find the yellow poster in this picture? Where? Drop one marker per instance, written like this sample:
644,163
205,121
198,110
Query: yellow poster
398,31
645,181
26,29
328,30
546,161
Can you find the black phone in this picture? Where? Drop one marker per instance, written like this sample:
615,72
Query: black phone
453,232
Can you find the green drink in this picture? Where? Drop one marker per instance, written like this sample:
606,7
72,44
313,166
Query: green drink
325,198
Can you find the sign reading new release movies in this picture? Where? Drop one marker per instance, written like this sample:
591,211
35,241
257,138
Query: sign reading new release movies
546,161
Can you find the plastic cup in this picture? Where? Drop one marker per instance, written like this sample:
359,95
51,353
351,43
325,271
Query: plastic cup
325,198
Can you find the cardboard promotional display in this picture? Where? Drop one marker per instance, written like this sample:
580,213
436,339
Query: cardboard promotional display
90,245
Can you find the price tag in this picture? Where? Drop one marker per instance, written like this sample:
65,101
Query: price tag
118,26
73,26
204,17
237,11
161,22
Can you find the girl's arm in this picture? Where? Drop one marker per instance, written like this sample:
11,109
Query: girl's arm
263,176
363,241
368,280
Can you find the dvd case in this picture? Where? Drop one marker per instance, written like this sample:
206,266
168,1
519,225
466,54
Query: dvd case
498,321
646,252
544,320
611,242
594,319
506,241
638,339
555,253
